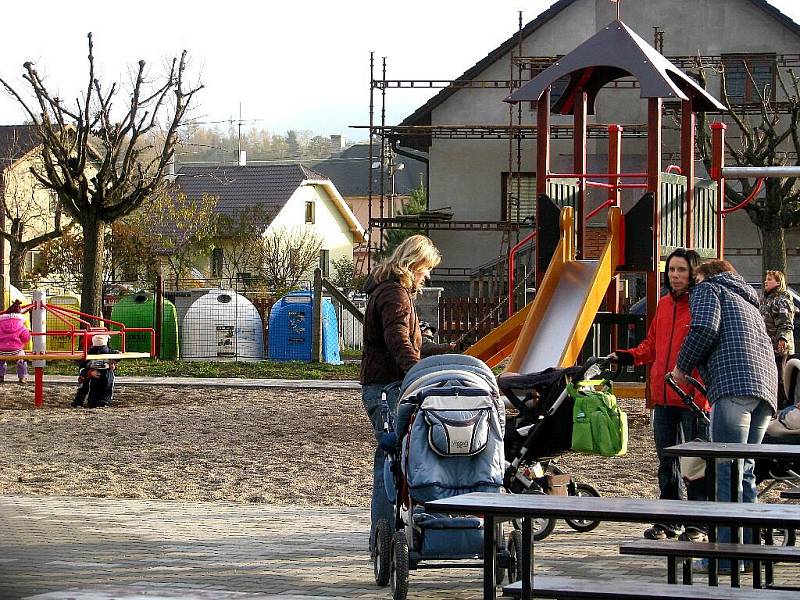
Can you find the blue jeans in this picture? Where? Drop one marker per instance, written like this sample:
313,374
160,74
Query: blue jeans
381,508
673,425
738,419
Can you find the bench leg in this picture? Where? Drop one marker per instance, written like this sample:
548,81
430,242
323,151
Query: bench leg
769,576
489,589
672,569
527,559
687,571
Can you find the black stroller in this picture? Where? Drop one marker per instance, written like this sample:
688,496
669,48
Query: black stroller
542,430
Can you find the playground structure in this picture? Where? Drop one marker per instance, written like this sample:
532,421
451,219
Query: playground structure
676,208
78,329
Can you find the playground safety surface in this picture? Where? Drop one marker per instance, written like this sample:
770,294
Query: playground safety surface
61,548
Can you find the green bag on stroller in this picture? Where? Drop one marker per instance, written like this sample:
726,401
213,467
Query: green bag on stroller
598,425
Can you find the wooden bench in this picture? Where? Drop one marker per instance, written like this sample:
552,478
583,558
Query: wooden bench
547,586
631,510
675,550
792,494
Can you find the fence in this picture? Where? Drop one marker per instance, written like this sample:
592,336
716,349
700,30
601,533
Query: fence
201,323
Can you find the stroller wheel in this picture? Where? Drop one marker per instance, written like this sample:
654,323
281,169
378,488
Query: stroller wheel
382,554
779,537
400,567
514,555
584,525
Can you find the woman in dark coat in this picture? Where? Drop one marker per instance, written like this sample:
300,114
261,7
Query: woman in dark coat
392,343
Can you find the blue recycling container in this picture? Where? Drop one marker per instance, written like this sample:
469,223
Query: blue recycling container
290,329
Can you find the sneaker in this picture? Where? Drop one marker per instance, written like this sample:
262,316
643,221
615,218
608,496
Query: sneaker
23,380
701,566
693,534
660,532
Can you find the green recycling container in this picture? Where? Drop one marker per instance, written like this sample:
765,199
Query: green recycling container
139,310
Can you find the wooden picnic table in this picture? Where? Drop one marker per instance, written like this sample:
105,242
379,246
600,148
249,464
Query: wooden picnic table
634,510
711,452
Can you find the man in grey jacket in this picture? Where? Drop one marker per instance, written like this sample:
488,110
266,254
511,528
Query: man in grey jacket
728,342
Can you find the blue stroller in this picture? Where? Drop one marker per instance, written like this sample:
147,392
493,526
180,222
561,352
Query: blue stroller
447,439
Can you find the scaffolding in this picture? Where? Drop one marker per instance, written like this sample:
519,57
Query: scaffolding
521,69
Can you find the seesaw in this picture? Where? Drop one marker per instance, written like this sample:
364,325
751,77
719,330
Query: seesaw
80,339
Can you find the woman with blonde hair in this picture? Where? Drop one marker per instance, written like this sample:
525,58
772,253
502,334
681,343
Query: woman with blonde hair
392,343
777,309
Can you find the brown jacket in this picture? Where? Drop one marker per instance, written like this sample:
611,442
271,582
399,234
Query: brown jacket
392,338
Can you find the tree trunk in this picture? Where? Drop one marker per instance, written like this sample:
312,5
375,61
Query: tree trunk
16,262
93,252
774,248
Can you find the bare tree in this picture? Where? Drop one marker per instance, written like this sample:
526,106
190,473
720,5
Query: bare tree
763,144
240,236
288,255
132,151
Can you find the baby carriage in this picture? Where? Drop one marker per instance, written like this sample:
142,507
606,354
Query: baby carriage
541,430
449,441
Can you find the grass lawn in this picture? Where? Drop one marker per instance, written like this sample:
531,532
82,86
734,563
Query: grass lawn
247,370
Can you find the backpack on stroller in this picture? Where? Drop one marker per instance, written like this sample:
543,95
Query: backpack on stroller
449,440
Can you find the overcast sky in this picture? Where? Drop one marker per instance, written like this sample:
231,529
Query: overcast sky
301,64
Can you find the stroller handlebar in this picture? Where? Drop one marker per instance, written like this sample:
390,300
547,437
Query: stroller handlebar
688,399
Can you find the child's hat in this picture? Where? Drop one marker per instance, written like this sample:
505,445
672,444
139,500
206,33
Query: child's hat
423,325
100,339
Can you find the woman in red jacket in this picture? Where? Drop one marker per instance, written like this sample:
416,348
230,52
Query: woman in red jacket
673,422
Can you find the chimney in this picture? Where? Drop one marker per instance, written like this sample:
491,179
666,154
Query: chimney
242,158
337,145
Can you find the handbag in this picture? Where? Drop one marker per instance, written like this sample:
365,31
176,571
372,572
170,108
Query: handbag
598,424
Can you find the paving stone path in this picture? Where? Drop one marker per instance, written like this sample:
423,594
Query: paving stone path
59,548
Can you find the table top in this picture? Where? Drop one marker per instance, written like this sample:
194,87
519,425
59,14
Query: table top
631,510
725,450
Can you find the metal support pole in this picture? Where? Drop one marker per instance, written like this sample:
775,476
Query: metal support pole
654,187
579,164
717,174
38,326
159,320
371,157
316,318
542,161
688,120
614,166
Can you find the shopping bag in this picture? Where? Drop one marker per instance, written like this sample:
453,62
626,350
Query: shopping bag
598,424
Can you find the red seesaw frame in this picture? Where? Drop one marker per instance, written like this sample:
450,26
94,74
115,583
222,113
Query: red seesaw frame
80,339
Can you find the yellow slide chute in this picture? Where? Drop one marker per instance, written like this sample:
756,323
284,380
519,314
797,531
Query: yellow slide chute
550,330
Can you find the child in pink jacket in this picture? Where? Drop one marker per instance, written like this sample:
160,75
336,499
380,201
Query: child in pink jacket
13,337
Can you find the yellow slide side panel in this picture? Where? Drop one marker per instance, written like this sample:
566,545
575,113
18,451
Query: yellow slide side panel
565,251
496,345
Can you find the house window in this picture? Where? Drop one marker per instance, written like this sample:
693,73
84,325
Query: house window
217,258
325,262
33,259
744,88
310,212
518,194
